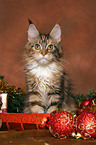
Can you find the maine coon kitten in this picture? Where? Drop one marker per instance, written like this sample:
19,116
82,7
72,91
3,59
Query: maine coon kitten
48,87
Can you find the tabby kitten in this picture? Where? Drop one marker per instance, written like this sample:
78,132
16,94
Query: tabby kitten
48,87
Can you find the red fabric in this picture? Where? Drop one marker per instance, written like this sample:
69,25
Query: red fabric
23,121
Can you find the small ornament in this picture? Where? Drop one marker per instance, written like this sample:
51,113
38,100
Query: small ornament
83,104
61,124
79,111
76,135
86,123
45,122
93,104
93,100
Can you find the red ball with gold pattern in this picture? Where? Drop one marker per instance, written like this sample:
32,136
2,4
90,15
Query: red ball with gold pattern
61,124
86,121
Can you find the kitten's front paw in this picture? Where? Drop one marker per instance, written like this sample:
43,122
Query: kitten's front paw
37,109
34,109
51,109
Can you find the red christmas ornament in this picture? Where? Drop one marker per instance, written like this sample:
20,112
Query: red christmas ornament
61,124
79,111
86,123
83,104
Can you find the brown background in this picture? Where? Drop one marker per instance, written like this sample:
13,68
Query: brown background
78,22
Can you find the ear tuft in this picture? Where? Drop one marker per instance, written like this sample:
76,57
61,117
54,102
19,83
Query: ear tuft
56,33
30,22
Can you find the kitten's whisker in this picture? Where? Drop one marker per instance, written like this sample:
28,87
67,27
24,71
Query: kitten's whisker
23,63
30,62
59,63
23,60
32,68
20,68
20,62
63,60
31,57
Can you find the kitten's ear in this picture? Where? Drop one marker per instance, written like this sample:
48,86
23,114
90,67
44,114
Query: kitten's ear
56,33
32,32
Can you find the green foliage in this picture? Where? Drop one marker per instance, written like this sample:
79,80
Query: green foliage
15,102
80,97
15,96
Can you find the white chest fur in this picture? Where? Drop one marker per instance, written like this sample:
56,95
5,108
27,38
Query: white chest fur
45,71
44,74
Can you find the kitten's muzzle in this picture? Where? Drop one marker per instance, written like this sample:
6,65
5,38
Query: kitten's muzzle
44,52
43,61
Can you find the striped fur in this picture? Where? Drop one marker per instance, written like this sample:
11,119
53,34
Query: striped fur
47,84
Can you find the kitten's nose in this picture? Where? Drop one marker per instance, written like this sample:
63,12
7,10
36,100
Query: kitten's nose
44,52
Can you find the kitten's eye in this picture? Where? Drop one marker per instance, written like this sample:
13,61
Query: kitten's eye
37,47
50,47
